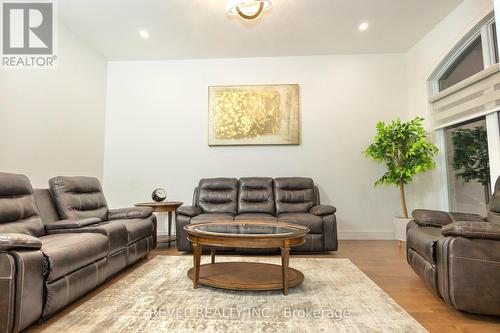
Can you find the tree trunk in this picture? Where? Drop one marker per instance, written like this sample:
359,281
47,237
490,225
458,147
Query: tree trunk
403,199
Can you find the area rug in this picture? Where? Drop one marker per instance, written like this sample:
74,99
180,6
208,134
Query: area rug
158,297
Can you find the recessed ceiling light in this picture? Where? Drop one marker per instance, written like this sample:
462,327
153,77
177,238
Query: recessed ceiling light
144,34
363,26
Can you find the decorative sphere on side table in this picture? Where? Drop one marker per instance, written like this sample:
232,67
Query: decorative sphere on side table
159,195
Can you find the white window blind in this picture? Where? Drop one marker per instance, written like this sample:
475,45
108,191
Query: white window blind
475,96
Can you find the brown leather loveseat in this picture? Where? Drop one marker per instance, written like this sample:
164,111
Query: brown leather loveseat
58,244
457,255
288,200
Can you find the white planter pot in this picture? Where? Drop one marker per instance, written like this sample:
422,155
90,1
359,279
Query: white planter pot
400,224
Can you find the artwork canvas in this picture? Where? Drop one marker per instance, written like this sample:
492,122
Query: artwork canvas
254,115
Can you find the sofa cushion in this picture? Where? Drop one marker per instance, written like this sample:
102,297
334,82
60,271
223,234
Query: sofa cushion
117,233
78,197
218,195
66,253
313,222
294,195
136,228
256,195
423,240
213,217
18,210
255,217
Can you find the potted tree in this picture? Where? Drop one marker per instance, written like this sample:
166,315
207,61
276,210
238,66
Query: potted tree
404,149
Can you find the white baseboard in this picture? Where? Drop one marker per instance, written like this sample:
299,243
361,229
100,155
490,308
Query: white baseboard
366,235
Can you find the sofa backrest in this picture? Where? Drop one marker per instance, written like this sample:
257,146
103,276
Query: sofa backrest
78,197
46,205
18,210
294,194
494,205
255,195
218,195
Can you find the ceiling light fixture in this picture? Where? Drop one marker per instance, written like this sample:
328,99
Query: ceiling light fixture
248,9
363,26
144,34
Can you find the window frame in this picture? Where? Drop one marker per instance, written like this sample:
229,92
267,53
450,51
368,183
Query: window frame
452,61
484,29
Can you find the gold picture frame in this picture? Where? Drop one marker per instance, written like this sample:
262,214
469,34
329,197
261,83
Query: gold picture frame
254,115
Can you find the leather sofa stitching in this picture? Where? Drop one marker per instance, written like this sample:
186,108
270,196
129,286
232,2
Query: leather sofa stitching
21,296
450,274
477,260
474,231
11,283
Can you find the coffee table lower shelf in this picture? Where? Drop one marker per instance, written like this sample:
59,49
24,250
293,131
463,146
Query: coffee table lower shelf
246,276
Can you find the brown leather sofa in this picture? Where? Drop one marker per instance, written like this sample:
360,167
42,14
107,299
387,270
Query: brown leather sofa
288,200
56,245
457,255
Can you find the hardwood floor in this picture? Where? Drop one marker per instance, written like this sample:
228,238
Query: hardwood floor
385,263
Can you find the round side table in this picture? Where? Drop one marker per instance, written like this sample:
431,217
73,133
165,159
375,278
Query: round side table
164,207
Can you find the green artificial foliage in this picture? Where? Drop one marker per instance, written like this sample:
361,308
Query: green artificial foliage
404,149
470,157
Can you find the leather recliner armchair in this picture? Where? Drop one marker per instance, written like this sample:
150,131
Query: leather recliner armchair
288,200
457,255
50,257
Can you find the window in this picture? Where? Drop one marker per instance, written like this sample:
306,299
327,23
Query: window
465,106
469,62
468,166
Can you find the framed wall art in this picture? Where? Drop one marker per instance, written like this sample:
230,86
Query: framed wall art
254,115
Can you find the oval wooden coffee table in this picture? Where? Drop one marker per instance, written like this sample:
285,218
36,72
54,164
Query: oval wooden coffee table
245,275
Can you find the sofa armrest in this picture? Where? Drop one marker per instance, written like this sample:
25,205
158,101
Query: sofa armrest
188,211
321,210
437,218
475,230
130,213
13,241
72,223
21,287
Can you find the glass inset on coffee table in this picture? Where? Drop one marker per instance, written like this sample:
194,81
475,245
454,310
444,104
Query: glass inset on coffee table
245,275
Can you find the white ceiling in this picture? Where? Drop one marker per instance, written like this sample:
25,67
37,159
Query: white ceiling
183,29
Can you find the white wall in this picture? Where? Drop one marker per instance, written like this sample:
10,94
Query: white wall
156,130
52,121
422,60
